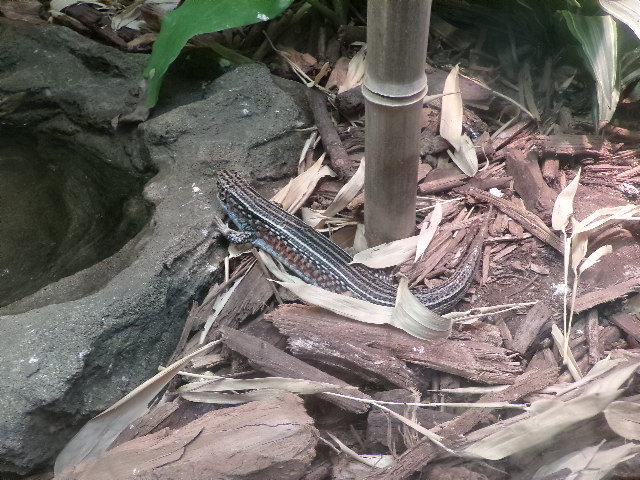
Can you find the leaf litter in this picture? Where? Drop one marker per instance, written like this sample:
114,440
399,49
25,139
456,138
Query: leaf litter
583,395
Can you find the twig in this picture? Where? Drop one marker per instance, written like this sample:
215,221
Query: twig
528,220
330,139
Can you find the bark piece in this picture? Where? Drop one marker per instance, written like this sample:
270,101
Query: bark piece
318,334
379,422
538,197
577,146
526,384
330,138
628,323
530,221
97,22
350,103
527,330
619,290
249,298
424,452
273,438
551,171
267,358
25,11
442,184
542,360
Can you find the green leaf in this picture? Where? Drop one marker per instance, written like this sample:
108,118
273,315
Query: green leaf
598,38
627,11
195,17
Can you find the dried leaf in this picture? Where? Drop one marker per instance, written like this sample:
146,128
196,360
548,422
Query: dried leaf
360,240
609,214
624,419
218,305
557,417
408,314
600,369
595,257
208,391
579,246
465,157
427,232
129,17
99,432
298,190
452,110
388,254
414,318
348,192
230,398
376,461
569,359
464,154
355,71
563,206
591,462
349,307
311,217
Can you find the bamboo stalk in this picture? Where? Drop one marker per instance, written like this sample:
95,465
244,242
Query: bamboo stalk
394,86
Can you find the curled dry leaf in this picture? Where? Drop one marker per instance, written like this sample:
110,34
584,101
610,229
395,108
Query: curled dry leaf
414,318
563,206
348,192
579,245
465,157
464,154
595,257
452,110
428,231
388,254
408,314
609,215
355,71
298,190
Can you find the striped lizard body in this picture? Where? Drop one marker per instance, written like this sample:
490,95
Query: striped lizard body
320,262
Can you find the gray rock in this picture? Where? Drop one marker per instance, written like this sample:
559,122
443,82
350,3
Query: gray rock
75,346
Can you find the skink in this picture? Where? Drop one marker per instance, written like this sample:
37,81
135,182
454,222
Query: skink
320,262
